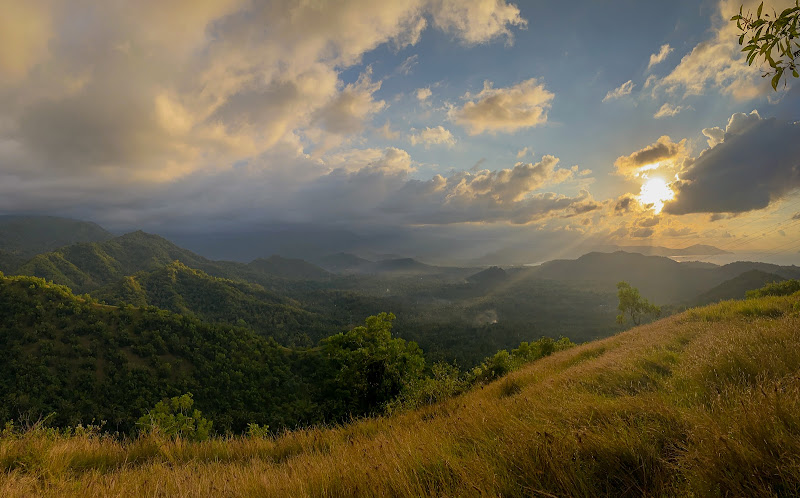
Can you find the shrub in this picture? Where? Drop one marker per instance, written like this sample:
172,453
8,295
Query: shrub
176,419
785,288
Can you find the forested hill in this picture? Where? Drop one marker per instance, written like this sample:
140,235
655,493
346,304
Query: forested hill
81,362
22,237
83,267
178,288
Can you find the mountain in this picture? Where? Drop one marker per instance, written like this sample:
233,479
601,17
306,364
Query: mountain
659,279
180,289
489,277
705,403
343,263
733,269
26,236
737,287
88,266
294,269
693,250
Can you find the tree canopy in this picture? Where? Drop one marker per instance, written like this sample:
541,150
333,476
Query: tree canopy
632,305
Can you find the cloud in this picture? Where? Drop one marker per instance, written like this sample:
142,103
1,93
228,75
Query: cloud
648,222
757,162
153,92
718,63
423,94
408,65
432,136
659,56
663,154
677,232
25,30
386,131
642,233
346,113
522,152
619,92
523,105
477,21
388,196
669,110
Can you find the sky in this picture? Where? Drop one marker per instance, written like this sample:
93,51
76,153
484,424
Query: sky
506,126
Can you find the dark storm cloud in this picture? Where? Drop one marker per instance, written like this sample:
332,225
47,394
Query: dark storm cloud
757,162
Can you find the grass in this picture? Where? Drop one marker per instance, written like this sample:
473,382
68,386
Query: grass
706,403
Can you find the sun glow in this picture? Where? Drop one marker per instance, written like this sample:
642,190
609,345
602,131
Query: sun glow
655,192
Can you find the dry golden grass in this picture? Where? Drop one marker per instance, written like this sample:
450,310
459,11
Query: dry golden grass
706,403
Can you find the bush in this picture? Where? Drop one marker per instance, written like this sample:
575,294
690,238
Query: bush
785,288
176,419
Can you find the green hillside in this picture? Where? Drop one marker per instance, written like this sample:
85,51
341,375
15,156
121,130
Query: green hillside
180,289
84,267
26,236
9,262
705,403
737,287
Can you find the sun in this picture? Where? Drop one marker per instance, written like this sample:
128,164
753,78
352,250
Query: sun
656,192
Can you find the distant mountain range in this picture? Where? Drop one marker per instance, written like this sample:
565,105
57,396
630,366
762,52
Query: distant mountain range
659,279
693,250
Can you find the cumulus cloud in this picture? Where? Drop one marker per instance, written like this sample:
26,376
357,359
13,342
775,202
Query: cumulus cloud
522,152
718,63
669,110
423,94
477,21
659,56
619,92
346,113
755,162
151,92
523,105
662,155
432,136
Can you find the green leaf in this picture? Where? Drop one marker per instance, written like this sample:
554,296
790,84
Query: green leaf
760,7
776,79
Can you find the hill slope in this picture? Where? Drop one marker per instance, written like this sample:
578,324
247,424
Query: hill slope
706,403
26,236
180,289
737,287
84,267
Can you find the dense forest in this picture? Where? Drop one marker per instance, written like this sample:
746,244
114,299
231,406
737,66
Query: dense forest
281,342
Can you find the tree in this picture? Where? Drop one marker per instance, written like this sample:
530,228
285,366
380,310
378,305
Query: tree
633,305
773,38
371,367
175,418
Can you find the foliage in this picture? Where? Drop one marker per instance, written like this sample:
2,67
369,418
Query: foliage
775,39
669,409
632,305
371,367
785,288
175,418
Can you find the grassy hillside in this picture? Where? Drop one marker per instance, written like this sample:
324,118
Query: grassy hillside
705,403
